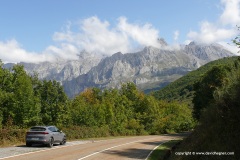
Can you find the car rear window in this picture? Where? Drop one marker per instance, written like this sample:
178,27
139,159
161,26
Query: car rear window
37,129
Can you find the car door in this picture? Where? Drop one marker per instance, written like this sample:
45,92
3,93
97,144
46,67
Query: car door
57,134
54,133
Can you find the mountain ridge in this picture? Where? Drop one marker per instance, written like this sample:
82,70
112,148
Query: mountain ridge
149,68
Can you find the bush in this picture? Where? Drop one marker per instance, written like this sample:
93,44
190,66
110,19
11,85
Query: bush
12,136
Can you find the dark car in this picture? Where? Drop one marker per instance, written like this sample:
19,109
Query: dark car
47,135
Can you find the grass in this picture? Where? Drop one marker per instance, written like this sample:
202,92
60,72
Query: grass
164,150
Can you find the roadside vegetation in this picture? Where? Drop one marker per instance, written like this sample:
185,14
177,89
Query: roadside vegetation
216,107
26,101
164,151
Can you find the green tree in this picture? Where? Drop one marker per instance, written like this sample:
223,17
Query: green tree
24,109
83,112
3,92
236,40
6,95
54,103
204,89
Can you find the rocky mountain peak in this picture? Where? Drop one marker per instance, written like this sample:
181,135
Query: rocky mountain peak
162,42
118,54
84,55
192,43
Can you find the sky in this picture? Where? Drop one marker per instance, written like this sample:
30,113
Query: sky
36,31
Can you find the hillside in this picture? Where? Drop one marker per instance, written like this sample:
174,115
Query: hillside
182,89
217,107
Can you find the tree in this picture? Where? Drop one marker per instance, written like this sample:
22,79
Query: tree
6,94
236,40
54,103
204,89
25,113
91,95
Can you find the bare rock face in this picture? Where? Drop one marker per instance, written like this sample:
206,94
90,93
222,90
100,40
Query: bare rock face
63,70
148,69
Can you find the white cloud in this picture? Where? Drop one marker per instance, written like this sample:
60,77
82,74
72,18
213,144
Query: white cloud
11,51
231,13
65,51
223,29
145,35
176,35
231,47
98,36
92,35
210,33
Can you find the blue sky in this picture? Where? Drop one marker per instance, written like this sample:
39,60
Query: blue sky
33,31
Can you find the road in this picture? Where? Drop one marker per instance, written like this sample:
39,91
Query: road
138,147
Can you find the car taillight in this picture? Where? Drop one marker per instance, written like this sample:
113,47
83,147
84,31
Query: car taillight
28,133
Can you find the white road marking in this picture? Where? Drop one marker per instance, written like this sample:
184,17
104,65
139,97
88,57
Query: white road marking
154,149
112,148
43,150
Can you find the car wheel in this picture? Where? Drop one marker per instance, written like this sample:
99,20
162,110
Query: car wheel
50,144
28,144
63,141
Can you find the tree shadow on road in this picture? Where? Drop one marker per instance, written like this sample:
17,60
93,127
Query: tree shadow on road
143,153
134,152
130,153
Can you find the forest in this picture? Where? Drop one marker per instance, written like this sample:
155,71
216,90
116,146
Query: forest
216,108
26,101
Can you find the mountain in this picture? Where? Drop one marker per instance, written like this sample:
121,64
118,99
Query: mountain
149,69
61,70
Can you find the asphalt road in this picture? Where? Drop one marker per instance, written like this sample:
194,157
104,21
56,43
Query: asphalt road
138,147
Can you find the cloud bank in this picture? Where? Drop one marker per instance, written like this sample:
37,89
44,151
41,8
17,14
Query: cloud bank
223,29
91,35
11,51
95,35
